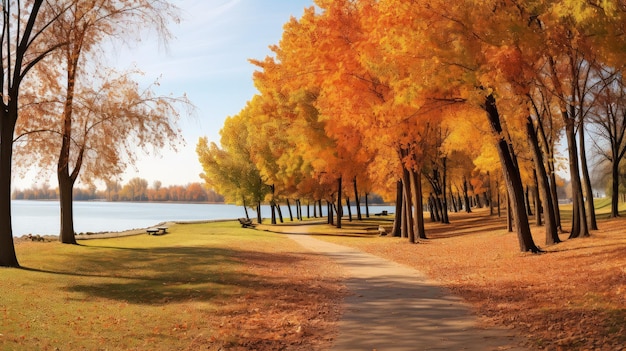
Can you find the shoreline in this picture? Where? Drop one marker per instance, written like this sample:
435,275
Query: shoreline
119,234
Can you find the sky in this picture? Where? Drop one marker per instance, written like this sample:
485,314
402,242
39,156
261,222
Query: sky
207,59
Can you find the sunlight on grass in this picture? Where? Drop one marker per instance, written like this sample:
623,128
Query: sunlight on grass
136,292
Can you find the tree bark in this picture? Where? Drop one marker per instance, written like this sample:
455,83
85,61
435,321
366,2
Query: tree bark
397,223
444,214
466,196
357,201
586,181
349,209
8,118
579,215
339,204
289,209
406,180
614,189
512,177
418,208
552,232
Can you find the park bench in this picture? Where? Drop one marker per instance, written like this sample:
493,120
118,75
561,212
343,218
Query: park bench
157,230
383,213
246,223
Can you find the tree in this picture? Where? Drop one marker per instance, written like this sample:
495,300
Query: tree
23,46
103,115
609,117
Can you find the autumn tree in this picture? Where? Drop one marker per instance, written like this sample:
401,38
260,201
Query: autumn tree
609,118
91,125
25,30
229,169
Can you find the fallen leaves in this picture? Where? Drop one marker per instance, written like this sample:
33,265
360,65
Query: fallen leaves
573,297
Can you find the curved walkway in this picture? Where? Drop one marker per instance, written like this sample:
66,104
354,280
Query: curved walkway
392,307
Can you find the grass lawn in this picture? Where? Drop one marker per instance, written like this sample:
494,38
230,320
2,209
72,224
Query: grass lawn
217,286
202,286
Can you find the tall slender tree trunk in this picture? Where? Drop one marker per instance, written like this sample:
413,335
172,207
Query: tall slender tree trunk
397,222
259,218
290,212
512,177
579,215
418,208
339,204
319,203
406,180
349,208
357,201
466,196
444,212
245,208
329,206
586,181
614,189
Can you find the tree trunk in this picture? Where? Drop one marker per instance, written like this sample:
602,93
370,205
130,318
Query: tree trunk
406,180
529,210
8,258
339,204
513,180
349,208
444,214
259,218
331,213
509,214
319,203
466,196
66,186
367,206
418,208
579,216
615,189
245,208
357,202
586,181
289,208
397,222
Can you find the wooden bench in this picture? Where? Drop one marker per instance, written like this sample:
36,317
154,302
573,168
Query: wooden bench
246,223
157,230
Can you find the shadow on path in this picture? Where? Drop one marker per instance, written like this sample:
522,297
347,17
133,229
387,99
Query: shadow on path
392,307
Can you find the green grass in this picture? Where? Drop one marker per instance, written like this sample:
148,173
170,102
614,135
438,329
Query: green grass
139,292
602,206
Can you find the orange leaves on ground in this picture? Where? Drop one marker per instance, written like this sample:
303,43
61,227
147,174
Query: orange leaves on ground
573,297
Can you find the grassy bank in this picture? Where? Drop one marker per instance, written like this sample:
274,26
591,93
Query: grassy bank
199,286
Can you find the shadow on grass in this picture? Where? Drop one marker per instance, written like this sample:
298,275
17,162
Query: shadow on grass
165,275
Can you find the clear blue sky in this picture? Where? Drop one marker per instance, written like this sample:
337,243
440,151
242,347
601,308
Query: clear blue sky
208,60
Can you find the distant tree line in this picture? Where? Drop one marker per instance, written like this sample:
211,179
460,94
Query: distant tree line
136,189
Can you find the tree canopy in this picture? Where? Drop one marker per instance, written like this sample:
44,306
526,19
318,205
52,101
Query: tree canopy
377,92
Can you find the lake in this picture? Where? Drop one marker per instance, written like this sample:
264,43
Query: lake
42,217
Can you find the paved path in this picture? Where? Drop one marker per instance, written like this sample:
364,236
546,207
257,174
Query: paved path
392,307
